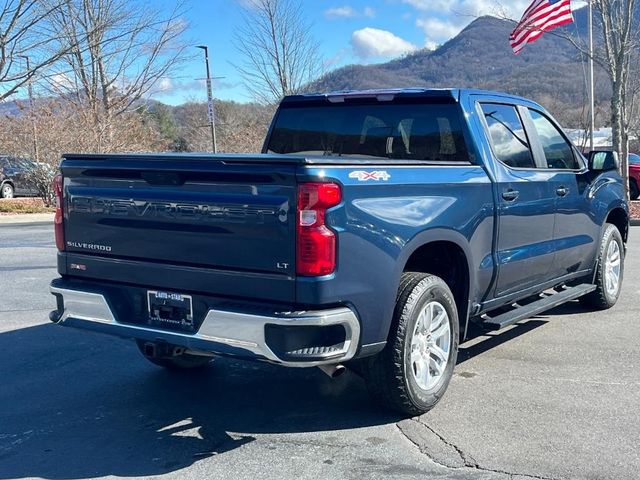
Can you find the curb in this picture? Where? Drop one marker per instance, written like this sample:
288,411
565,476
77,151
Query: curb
27,219
26,224
635,222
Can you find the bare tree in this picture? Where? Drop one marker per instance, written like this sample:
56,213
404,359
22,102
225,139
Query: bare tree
633,115
242,127
62,127
117,51
620,44
26,42
279,54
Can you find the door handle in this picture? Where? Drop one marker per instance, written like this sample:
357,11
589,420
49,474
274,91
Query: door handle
562,191
510,195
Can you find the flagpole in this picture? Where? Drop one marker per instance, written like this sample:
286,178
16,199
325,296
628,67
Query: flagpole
592,101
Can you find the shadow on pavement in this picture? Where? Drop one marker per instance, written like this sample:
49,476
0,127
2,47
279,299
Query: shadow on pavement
480,341
469,349
78,405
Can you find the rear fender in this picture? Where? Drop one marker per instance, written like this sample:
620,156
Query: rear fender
441,235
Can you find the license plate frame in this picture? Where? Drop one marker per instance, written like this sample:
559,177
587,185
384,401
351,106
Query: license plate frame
170,310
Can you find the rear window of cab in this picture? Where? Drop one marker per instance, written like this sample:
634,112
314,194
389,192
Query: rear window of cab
424,132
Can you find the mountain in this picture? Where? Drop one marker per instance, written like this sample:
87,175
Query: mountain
550,70
12,108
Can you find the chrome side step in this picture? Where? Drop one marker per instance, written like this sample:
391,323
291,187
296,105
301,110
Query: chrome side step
545,303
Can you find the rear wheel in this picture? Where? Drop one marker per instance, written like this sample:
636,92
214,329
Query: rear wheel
7,191
634,190
172,357
610,271
413,371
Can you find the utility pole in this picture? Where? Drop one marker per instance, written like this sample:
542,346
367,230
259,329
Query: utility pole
210,107
592,101
31,110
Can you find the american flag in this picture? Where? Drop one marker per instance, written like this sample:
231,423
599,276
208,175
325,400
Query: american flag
541,16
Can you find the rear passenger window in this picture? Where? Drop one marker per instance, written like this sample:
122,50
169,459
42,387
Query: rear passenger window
507,134
557,150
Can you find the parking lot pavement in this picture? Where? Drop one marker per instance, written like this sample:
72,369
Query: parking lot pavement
555,397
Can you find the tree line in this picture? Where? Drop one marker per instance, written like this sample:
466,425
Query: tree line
95,63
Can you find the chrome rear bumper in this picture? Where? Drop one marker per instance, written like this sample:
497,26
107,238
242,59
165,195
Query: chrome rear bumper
225,332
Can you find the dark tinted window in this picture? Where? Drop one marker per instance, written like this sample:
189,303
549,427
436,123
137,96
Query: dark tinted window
557,150
432,132
508,137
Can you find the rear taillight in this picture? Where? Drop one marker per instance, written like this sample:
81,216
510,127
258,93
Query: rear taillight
58,219
316,243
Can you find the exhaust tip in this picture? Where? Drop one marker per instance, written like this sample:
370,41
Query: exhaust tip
333,371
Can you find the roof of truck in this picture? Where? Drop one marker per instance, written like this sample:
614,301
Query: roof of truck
389,94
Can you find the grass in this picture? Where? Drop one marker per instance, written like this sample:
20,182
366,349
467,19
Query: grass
23,205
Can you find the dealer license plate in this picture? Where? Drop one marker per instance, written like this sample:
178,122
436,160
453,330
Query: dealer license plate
170,310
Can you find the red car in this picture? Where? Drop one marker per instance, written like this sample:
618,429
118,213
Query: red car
634,176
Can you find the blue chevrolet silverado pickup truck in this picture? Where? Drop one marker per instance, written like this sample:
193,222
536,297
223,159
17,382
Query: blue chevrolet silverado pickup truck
374,228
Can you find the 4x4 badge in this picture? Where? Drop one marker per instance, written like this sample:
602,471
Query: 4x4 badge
365,176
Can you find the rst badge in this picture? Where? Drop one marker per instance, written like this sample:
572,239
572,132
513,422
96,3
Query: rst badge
376,176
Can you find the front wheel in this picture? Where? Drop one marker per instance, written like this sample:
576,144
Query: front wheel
171,356
414,370
609,271
7,191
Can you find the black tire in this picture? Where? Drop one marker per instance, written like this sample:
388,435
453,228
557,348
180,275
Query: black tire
634,191
7,191
173,360
390,374
602,298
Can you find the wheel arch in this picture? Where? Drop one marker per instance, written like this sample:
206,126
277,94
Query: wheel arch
619,217
444,254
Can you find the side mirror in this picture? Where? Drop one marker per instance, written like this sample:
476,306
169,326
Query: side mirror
603,161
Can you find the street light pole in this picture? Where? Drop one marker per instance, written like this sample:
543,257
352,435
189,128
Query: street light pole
33,118
592,95
210,107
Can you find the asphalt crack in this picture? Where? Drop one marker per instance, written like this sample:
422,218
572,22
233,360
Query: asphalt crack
467,461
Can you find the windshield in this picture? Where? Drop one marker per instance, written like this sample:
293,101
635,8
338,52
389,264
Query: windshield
431,132
24,163
634,159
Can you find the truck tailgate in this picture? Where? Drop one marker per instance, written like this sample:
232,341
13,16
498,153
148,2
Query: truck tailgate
201,213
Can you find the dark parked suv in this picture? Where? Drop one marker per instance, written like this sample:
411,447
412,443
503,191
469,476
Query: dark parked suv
14,177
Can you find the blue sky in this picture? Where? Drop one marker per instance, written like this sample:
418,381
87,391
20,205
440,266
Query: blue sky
348,31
